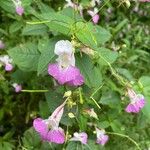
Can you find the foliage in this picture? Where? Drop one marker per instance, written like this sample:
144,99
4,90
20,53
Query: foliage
120,58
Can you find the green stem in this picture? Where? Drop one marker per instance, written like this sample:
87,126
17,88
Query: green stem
38,22
97,90
95,102
126,136
80,95
35,91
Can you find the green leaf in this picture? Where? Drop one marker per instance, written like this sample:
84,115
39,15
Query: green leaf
7,5
31,140
25,56
37,29
85,35
46,47
57,22
54,99
90,35
145,82
126,73
74,146
44,109
103,124
92,74
116,126
106,56
14,27
44,8
111,99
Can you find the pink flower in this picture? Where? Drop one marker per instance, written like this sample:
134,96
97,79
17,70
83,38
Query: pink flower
8,67
82,137
17,87
102,138
19,8
94,15
49,129
6,61
2,45
137,102
64,71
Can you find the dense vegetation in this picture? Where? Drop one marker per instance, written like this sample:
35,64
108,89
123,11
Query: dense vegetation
109,42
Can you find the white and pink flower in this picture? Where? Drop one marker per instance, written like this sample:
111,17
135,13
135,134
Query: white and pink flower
102,138
82,137
49,129
19,7
94,14
137,102
64,71
17,87
6,61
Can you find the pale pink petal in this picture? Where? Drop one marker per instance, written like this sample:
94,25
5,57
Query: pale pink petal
56,136
19,10
8,67
41,127
140,100
102,140
18,88
57,114
141,103
95,19
82,137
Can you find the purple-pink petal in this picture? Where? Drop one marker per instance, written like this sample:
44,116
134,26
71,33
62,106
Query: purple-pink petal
95,19
70,75
84,137
132,108
78,81
141,103
8,67
56,136
102,140
19,10
41,127
18,88
136,106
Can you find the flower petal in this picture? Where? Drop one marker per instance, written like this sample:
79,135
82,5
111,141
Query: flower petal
70,74
41,127
102,140
82,137
79,80
8,67
132,108
63,46
57,114
56,136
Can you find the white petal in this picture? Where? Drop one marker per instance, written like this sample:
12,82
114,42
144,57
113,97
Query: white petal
63,46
